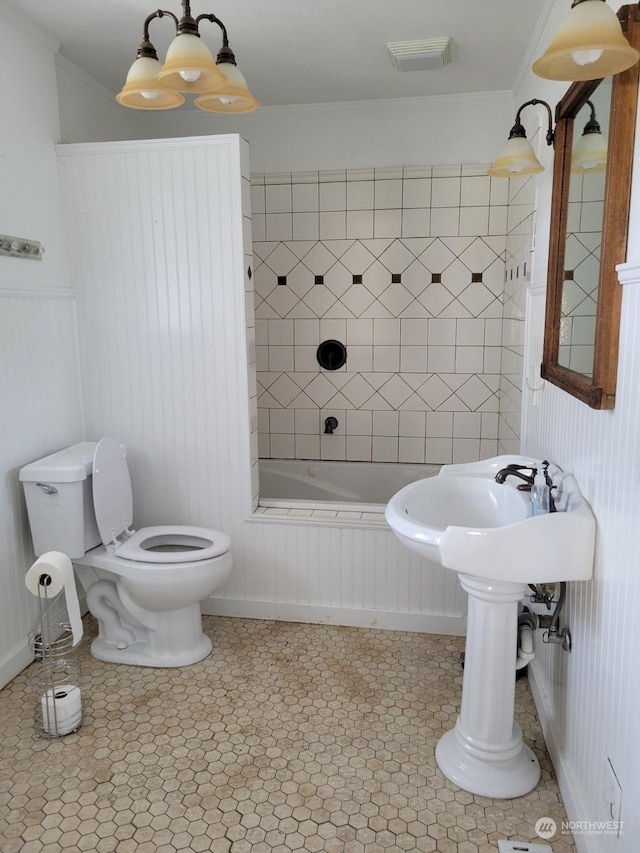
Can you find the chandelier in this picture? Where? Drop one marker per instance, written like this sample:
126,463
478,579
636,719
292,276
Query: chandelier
189,68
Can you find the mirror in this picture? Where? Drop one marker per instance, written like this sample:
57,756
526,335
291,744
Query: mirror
589,223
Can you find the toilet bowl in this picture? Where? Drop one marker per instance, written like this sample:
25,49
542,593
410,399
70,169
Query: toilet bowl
144,587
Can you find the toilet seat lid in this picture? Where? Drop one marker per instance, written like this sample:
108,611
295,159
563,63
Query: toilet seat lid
112,494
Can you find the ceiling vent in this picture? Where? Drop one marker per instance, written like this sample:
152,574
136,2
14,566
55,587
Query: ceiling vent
422,55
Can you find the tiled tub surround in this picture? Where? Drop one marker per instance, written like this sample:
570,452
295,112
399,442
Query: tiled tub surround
519,254
406,268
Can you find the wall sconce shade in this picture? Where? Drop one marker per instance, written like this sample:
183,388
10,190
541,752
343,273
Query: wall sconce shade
189,67
517,158
590,152
588,45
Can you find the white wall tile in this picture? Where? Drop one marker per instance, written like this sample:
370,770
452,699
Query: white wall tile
307,446
332,447
384,449
333,225
278,226
359,224
358,448
360,195
413,359
386,358
475,191
305,198
474,221
441,359
258,199
412,424
305,226
386,332
411,450
388,194
416,222
281,420
387,223
278,199
385,423
282,446
439,450
445,221
445,192
333,196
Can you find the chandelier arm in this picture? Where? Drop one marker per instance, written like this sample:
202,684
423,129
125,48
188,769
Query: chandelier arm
159,13
225,54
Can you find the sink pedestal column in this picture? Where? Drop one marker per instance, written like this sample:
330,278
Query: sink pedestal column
484,754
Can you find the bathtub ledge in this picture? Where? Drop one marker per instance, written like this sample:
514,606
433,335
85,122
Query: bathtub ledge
332,517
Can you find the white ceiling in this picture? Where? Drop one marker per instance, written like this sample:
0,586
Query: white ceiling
309,51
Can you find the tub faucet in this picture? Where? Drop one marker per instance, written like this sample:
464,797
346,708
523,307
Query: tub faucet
329,425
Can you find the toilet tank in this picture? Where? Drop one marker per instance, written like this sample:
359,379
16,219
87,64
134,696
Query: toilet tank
58,492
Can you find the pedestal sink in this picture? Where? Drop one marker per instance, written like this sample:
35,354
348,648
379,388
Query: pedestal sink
464,520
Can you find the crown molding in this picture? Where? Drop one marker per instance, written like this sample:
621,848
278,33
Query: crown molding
64,64
13,15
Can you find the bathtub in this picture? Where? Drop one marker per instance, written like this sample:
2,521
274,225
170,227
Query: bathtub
366,486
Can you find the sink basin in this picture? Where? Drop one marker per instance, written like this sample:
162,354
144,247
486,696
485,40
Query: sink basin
463,520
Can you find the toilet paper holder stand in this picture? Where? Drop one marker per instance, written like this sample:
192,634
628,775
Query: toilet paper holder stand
55,681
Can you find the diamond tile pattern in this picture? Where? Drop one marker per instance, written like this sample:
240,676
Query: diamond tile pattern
287,737
394,276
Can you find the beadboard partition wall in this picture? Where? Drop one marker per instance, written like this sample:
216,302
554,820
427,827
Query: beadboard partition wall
165,306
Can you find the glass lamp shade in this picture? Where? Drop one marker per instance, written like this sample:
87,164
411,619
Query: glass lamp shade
589,154
588,45
189,67
141,90
516,159
233,97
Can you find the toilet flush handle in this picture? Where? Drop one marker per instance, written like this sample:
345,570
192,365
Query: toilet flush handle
47,488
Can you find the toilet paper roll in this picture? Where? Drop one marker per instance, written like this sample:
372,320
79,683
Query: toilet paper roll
51,574
61,709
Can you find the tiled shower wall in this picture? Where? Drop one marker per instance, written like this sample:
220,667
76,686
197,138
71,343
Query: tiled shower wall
519,259
405,267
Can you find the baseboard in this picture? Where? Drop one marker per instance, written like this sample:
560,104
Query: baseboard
425,623
566,780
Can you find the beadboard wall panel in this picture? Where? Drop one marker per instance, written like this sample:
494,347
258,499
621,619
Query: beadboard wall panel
167,367
589,700
40,393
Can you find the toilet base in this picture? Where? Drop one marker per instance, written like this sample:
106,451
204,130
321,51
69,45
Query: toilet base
139,654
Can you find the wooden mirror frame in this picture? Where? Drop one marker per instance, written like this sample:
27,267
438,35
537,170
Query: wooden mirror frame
599,389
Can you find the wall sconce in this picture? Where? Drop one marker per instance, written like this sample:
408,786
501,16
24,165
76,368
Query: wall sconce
590,152
188,68
517,158
588,45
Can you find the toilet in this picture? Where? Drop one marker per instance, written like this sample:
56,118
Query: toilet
144,586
